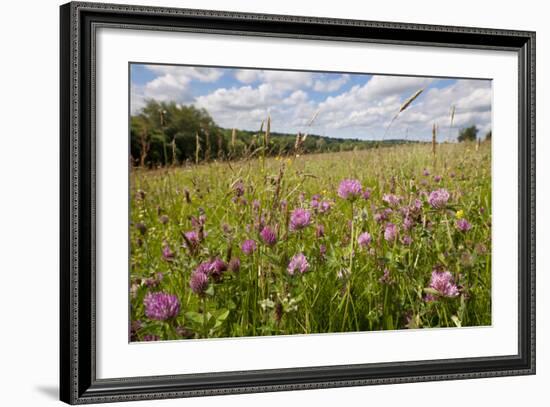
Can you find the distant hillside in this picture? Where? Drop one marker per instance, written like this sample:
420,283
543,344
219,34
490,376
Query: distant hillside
165,133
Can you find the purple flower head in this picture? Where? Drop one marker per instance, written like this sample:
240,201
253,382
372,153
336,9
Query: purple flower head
298,262
382,216
364,239
299,219
322,250
385,279
391,199
463,225
438,178
408,223
153,282
268,235
438,198
238,188
443,282
192,238
151,338
315,202
325,206
284,204
161,306
319,231
406,240
234,264
256,204
167,253
248,246
366,193
199,222
199,280
390,232
349,189
227,229
216,268
425,172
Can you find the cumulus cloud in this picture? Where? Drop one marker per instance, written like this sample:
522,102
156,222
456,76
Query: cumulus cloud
171,84
244,97
330,85
280,81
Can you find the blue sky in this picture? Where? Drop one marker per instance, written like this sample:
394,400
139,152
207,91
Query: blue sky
344,105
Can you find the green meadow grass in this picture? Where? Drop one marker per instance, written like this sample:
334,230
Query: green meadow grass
344,289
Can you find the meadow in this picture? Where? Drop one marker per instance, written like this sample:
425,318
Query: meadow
379,239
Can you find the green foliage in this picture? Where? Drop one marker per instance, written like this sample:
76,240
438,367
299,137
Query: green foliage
344,289
160,124
468,134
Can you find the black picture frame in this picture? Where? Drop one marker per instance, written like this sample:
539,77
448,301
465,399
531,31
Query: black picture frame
78,382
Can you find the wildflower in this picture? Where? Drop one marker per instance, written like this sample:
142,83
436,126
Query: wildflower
268,235
299,219
391,199
216,268
284,204
438,198
443,282
238,188
406,240
184,332
438,178
463,225
153,282
248,246
167,253
256,204
366,194
199,281
192,238
325,206
234,264
386,279
349,189
408,223
322,250
319,231
425,172
151,338
161,306
364,239
390,232
459,214
298,262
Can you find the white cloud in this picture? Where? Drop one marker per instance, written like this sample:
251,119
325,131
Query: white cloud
330,85
363,111
280,81
172,84
247,75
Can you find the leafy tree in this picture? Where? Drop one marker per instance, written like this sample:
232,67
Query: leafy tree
468,134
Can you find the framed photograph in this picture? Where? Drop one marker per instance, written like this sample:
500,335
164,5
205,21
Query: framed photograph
255,203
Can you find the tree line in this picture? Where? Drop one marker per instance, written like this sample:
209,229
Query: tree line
166,133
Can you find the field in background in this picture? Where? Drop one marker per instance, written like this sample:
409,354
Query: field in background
398,254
